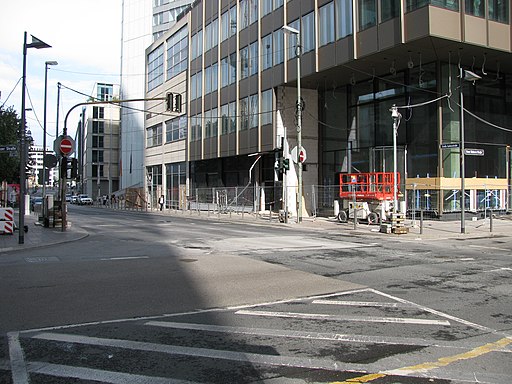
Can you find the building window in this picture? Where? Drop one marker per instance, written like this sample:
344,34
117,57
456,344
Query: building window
278,3
367,14
196,126
244,113
292,40
97,156
224,113
278,37
232,117
266,7
232,22
224,26
253,58
98,112
154,136
97,141
197,45
176,175
98,127
244,62
326,24
266,52
343,18
224,72
215,77
307,33
211,38
156,68
475,8
389,9
253,11
253,111
105,92
177,53
196,85
207,80
244,14
97,170
448,4
232,68
498,10
266,107
176,129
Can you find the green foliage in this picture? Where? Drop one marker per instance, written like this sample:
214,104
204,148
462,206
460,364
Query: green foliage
9,166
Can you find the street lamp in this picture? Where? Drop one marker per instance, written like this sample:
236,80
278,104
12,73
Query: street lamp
38,44
46,64
468,76
289,30
396,121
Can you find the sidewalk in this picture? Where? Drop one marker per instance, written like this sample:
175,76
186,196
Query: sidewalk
38,236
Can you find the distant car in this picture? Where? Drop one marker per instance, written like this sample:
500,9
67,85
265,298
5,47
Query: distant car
68,198
74,199
84,200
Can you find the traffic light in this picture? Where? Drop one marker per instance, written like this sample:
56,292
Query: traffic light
169,101
74,168
286,165
173,102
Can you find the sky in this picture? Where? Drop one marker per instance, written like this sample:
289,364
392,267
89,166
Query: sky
85,36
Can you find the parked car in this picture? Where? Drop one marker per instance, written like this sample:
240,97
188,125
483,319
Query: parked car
84,200
74,199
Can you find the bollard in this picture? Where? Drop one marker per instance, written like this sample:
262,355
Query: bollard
421,222
355,217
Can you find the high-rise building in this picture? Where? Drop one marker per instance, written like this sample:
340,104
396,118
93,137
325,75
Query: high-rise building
236,71
142,22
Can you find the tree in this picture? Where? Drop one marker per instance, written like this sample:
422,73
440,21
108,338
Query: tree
9,125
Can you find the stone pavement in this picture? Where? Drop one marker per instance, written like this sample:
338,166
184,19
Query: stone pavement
433,230
38,236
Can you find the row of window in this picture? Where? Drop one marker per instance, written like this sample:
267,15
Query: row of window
497,10
175,129
252,112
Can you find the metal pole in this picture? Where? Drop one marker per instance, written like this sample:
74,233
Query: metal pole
462,159
299,129
46,64
23,159
395,115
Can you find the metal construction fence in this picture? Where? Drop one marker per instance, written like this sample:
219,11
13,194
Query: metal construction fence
319,200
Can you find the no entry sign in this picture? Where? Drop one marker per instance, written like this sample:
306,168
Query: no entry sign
64,145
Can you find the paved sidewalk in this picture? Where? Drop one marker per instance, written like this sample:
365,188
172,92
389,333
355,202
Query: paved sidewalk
38,236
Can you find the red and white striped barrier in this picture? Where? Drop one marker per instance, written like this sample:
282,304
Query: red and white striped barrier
6,214
7,227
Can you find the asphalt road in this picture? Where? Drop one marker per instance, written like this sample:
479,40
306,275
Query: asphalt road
158,299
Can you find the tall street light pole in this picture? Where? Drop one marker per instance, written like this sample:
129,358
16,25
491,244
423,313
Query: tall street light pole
468,76
46,64
289,30
38,44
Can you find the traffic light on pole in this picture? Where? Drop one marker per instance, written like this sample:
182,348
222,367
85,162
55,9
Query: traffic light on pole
286,165
169,101
173,102
74,168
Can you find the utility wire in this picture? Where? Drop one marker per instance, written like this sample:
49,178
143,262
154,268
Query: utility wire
9,95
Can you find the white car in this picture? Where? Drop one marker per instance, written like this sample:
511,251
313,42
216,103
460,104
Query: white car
84,200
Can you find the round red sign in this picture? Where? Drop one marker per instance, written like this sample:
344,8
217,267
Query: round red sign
66,146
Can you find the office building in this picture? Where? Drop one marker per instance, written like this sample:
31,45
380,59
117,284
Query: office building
236,70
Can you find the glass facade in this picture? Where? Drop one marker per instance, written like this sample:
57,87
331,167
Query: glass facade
177,53
156,68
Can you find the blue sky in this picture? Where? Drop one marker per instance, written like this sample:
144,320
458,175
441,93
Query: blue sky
85,36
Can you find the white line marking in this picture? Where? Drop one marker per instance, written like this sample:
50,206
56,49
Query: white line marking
367,319
125,258
306,335
363,304
487,247
58,370
18,366
244,357
433,311
499,270
467,259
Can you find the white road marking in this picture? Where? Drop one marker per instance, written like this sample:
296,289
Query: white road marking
244,357
363,304
433,311
499,270
307,335
125,258
58,370
18,366
367,319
